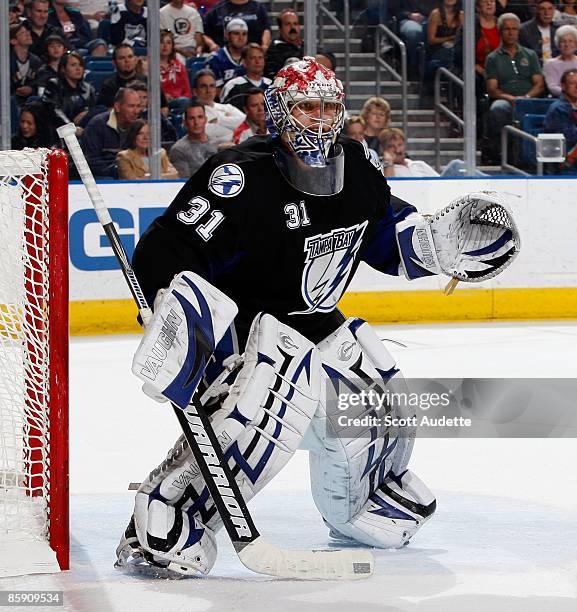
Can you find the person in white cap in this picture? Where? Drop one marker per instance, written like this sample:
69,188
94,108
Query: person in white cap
252,12
226,62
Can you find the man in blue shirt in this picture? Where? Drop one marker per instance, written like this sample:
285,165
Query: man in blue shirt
561,117
226,62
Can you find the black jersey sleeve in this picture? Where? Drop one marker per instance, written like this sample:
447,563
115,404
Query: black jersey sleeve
380,249
200,231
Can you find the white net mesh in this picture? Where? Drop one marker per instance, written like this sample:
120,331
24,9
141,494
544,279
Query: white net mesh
24,374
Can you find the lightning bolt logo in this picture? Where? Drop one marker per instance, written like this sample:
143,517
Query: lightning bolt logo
329,262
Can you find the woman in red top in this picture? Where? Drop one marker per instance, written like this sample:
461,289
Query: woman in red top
488,38
174,80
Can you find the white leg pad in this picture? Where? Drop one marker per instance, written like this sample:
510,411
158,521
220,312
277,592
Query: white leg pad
353,471
260,425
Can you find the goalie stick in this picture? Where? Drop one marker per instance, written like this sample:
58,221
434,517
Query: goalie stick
252,549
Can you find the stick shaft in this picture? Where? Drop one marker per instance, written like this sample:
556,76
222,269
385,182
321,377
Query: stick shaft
68,133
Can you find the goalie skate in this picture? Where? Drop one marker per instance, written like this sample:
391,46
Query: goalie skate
134,560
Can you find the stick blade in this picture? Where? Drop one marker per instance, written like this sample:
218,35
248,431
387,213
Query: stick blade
264,558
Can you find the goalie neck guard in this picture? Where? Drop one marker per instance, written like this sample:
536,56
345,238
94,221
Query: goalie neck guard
305,110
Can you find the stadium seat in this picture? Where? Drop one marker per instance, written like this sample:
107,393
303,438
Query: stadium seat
97,77
194,61
98,64
140,51
176,118
531,106
193,65
532,124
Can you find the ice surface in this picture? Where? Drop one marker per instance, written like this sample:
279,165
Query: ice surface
504,536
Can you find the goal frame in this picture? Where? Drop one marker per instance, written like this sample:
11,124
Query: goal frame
45,246
58,505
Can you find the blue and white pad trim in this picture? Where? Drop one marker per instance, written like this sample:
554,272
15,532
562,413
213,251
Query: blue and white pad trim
350,466
190,320
416,247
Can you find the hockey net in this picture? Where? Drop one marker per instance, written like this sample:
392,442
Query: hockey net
34,362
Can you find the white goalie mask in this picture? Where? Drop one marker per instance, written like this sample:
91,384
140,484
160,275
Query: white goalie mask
305,108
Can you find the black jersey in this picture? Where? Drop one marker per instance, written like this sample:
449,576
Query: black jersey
240,225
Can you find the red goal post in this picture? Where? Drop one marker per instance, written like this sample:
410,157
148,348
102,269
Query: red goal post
34,353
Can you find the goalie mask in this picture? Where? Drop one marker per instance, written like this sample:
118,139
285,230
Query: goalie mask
305,109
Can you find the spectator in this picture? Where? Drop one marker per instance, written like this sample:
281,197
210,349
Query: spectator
395,160
93,11
327,59
37,23
487,35
412,18
225,63
255,123
105,133
97,47
75,29
444,22
69,97
566,14
355,128
167,130
376,12
184,21
225,115
234,92
173,74
128,23
376,114
566,41
561,118
23,64
252,12
55,49
288,44
539,33
192,150
34,128
512,72
124,61
522,8
133,160
397,164
14,12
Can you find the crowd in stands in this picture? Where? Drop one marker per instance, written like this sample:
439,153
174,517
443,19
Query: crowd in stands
215,66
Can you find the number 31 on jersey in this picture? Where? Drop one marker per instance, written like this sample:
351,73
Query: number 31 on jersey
297,215
197,207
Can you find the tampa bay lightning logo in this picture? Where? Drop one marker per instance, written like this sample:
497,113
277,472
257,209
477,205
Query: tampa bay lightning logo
372,157
328,265
226,181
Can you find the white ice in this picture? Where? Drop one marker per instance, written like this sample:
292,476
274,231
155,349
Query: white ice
504,536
